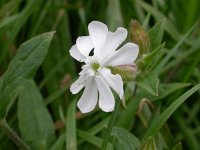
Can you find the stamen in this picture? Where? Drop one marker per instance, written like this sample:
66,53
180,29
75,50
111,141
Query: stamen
95,66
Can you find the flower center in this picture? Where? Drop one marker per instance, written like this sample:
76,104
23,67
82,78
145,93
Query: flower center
95,66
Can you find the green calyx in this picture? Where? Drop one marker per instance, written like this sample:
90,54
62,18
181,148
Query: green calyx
127,72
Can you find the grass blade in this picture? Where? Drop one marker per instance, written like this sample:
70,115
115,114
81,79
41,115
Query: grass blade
160,121
71,127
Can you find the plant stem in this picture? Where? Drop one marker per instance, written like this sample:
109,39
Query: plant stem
110,126
12,135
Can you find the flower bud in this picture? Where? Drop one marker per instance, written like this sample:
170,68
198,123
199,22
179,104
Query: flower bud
139,37
127,72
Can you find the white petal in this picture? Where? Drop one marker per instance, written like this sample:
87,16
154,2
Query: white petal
114,81
88,100
74,52
84,69
98,32
84,45
87,70
113,41
125,55
78,84
106,98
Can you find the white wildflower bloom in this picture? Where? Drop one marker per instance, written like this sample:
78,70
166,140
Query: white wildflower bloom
96,76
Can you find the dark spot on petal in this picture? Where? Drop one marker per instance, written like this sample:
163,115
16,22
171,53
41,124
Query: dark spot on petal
91,52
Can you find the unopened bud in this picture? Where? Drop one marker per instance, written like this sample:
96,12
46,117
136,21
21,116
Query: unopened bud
127,72
139,37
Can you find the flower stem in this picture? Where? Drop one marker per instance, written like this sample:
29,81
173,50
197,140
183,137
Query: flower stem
12,135
110,126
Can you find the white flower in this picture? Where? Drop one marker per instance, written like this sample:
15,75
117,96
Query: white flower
95,76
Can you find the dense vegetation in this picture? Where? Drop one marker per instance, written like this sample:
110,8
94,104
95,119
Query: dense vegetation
162,105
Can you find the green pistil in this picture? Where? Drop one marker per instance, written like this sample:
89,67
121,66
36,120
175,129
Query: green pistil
95,66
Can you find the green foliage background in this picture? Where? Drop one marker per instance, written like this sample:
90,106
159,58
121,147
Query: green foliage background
36,75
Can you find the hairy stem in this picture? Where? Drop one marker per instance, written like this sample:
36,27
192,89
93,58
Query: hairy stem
12,135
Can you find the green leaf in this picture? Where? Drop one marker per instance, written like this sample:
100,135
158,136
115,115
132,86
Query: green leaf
158,15
125,140
130,113
149,144
156,34
166,59
146,21
29,57
168,88
114,21
35,123
159,122
164,90
71,126
147,61
177,147
59,144
8,21
23,17
148,81
92,139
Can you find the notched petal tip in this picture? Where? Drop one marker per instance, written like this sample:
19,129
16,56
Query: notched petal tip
84,45
98,32
122,31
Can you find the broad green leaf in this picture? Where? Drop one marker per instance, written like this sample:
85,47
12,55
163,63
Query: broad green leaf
148,81
124,139
35,123
159,122
29,57
156,34
92,139
71,126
